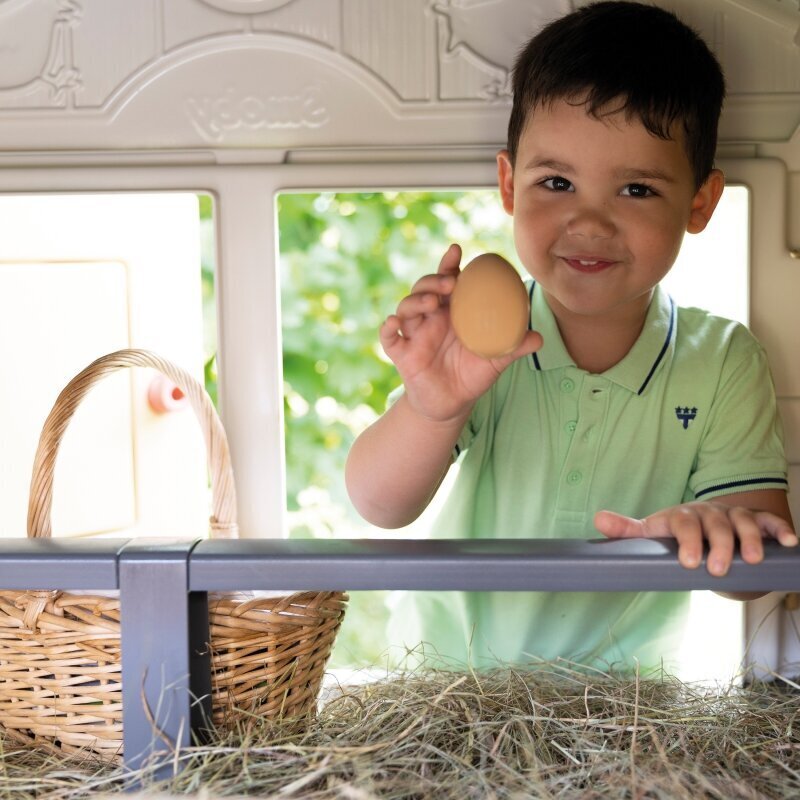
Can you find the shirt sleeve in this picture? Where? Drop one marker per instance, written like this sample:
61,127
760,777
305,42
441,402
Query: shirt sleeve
742,448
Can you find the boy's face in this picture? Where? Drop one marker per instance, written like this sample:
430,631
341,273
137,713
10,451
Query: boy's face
600,208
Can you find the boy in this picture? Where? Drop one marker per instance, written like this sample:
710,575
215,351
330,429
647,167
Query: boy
617,399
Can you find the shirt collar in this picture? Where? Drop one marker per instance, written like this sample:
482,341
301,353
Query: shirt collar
634,373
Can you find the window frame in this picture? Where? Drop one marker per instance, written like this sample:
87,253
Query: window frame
248,296
247,280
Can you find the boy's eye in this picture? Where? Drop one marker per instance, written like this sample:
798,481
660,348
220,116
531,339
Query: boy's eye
638,190
557,184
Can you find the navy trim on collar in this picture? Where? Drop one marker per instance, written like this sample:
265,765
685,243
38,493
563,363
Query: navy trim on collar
636,371
663,349
534,357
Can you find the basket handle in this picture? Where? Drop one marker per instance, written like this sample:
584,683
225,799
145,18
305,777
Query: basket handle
223,492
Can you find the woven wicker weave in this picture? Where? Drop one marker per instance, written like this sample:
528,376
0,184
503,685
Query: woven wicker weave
60,673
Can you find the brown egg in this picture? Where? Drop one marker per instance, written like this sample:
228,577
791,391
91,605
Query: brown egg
489,307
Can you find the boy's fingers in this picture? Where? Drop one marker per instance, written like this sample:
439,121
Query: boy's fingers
684,528
748,531
416,305
449,265
684,524
436,283
389,333
776,527
530,344
713,523
689,526
720,535
412,309
618,526
787,537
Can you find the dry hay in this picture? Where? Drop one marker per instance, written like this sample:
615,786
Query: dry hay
550,732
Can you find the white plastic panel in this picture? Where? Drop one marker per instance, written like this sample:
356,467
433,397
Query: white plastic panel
53,319
87,274
790,415
774,289
78,75
774,275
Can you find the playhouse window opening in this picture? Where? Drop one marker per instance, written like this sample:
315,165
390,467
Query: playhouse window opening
346,259
208,271
83,274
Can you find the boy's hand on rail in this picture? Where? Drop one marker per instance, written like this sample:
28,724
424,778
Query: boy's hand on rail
721,524
442,379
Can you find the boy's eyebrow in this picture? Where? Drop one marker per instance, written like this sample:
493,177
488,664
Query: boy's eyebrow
646,174
548,163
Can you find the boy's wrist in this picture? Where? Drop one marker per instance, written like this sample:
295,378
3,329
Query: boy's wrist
448,424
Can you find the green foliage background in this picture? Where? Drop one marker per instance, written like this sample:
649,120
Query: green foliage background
346,259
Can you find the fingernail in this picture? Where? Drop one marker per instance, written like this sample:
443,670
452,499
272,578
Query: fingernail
717,567
752,556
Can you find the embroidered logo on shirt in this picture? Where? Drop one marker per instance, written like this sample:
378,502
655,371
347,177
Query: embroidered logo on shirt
685,415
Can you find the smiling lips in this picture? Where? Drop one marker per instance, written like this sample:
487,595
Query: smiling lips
588,265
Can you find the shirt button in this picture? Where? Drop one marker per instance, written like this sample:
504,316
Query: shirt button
567,385
574,477
570,426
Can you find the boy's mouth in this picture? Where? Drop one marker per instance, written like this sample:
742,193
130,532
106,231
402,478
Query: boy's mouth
588,265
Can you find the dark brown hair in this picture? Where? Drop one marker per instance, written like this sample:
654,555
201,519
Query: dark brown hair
629,57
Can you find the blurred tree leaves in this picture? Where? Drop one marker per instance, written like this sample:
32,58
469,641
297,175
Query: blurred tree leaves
346,261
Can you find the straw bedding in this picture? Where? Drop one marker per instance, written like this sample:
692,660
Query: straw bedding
548,732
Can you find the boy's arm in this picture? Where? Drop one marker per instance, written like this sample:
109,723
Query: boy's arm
396,465
748,517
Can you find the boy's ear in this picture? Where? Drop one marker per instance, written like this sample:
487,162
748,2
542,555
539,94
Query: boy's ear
705,201
505,180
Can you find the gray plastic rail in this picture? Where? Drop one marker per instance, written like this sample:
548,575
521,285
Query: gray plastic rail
164,588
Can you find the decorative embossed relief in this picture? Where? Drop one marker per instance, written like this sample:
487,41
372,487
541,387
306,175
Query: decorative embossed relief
479,39
394,41
294,73
37,67
757,52
216,116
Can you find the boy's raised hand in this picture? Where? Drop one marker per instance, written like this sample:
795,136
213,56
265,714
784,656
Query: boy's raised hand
442,379
720,523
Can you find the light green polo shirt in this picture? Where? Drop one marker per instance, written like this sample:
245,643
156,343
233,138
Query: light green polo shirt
689,413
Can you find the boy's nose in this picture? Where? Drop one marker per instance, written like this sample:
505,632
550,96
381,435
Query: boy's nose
591,223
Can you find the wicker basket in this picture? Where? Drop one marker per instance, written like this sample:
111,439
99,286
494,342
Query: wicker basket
60,673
